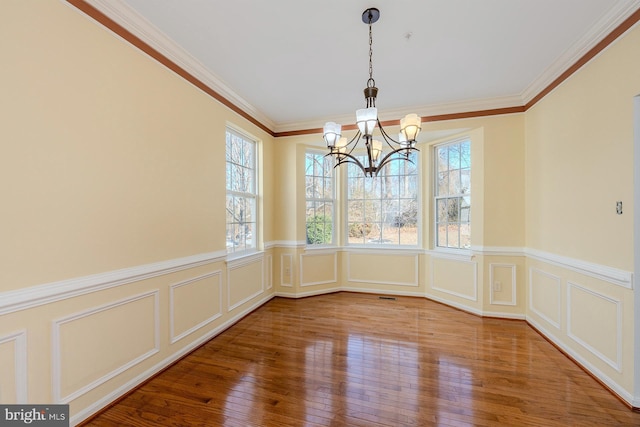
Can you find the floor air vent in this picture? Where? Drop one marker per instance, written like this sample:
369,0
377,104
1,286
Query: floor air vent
389,298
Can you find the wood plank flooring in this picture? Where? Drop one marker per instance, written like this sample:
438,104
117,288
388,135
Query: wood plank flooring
349,359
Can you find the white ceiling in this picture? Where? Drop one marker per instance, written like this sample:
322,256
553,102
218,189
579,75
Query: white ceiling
294,64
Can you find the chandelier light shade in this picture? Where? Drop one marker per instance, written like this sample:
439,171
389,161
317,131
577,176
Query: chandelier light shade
331,132
367,120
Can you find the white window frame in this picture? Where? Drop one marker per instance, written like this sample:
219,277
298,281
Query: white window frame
437,197
253,196
418,201
332,200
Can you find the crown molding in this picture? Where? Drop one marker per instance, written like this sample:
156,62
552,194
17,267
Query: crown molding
617,15
125,16
425,111
623,15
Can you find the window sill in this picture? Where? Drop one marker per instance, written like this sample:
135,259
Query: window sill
453,254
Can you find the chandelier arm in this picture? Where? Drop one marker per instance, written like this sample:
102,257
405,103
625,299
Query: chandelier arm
355,139
348,158
388,158
386,136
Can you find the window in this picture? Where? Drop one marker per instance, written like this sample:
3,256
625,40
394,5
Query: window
320,198
383,209
241,192
453,195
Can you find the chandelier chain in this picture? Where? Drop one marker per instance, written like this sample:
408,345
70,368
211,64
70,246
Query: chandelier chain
370,82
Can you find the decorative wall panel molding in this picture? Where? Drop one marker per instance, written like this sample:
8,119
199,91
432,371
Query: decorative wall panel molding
551,283
606,319
214,304
493,273
286,270
167,361
245,281
582,361
19,342
269,271
58,354
473,280
331,272
371,276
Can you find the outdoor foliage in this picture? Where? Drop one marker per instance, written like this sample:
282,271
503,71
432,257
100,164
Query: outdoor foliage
319,229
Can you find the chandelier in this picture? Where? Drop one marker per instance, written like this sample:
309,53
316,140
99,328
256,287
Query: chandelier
367,119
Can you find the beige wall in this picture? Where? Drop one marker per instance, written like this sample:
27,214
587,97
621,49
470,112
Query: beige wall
112,220
113,172
579,161
103,147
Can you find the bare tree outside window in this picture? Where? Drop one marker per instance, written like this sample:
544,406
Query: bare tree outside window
319,190
241,192
453,195
383,210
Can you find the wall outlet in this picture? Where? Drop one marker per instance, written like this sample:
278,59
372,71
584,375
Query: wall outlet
497,286
619,208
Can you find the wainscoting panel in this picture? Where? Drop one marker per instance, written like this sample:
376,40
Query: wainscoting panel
82,360
502,284
245,280
594,321
454,277
269,271
545,298
13,368
389,268
286,270
318,268
194,303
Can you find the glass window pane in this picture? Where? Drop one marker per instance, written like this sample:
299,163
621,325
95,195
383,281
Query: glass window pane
374,206
465,235
465,155
465,209
328,188
453,236
320,195
454,156
441,235
443,159
454,182
442,186
441,210
372,210
390,234
453,209
241,212
465,181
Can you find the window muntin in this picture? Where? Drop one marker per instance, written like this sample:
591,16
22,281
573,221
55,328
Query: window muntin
320,198
241,203
453,195
383,210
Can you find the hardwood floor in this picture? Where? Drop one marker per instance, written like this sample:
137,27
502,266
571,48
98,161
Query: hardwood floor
349,359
